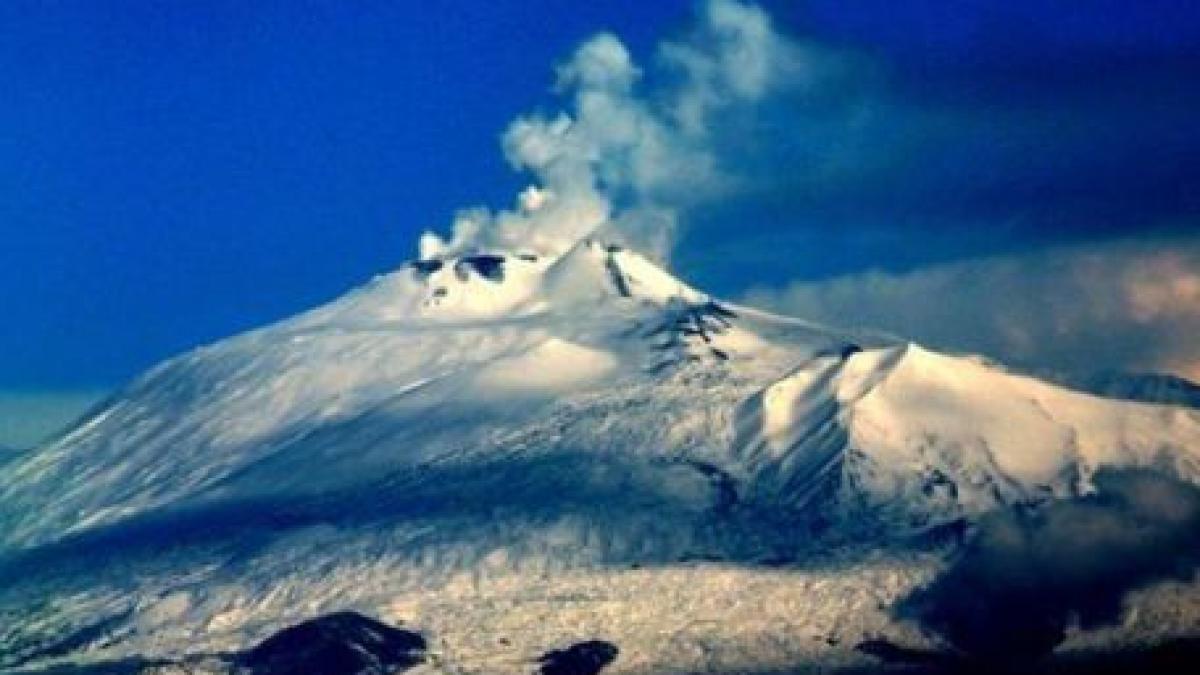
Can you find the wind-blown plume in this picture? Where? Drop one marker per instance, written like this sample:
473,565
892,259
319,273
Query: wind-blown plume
632,146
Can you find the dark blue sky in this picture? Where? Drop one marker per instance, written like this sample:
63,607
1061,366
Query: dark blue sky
171,173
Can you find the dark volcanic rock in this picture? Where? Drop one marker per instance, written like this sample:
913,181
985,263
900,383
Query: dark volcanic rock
427,266
344,643
584,658
490,267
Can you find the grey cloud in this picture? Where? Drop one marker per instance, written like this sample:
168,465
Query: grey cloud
1029,572
1076,310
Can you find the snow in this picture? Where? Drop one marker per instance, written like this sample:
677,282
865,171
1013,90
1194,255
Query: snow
553,366
544,449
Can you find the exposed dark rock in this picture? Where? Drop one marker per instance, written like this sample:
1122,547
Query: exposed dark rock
717,309
937,482
724,485
949,533
620,282
490,267
427,266
843,352
694,321
584,658
344,643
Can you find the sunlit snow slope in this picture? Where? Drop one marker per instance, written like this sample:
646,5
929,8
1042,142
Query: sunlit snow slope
513,412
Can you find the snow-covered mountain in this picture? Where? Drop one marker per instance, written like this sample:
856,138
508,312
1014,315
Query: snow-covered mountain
485,444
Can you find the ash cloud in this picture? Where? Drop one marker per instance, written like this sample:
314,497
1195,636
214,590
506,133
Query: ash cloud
1029,573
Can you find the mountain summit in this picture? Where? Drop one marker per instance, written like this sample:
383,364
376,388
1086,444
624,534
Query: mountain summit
504,420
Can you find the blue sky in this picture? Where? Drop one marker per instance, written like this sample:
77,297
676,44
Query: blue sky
175,172
172,173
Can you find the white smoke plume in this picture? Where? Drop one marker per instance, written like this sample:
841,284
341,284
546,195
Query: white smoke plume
632,146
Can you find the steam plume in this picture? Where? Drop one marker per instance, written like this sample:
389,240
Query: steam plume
632,146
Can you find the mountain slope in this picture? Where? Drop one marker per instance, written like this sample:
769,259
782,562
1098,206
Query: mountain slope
522,421
443,358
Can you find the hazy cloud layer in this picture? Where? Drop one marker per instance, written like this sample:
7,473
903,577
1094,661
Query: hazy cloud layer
27,418
1131,305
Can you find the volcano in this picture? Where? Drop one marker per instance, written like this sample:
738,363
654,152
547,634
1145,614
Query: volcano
513,451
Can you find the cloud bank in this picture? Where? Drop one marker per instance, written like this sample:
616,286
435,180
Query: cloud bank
1128,305
28,418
